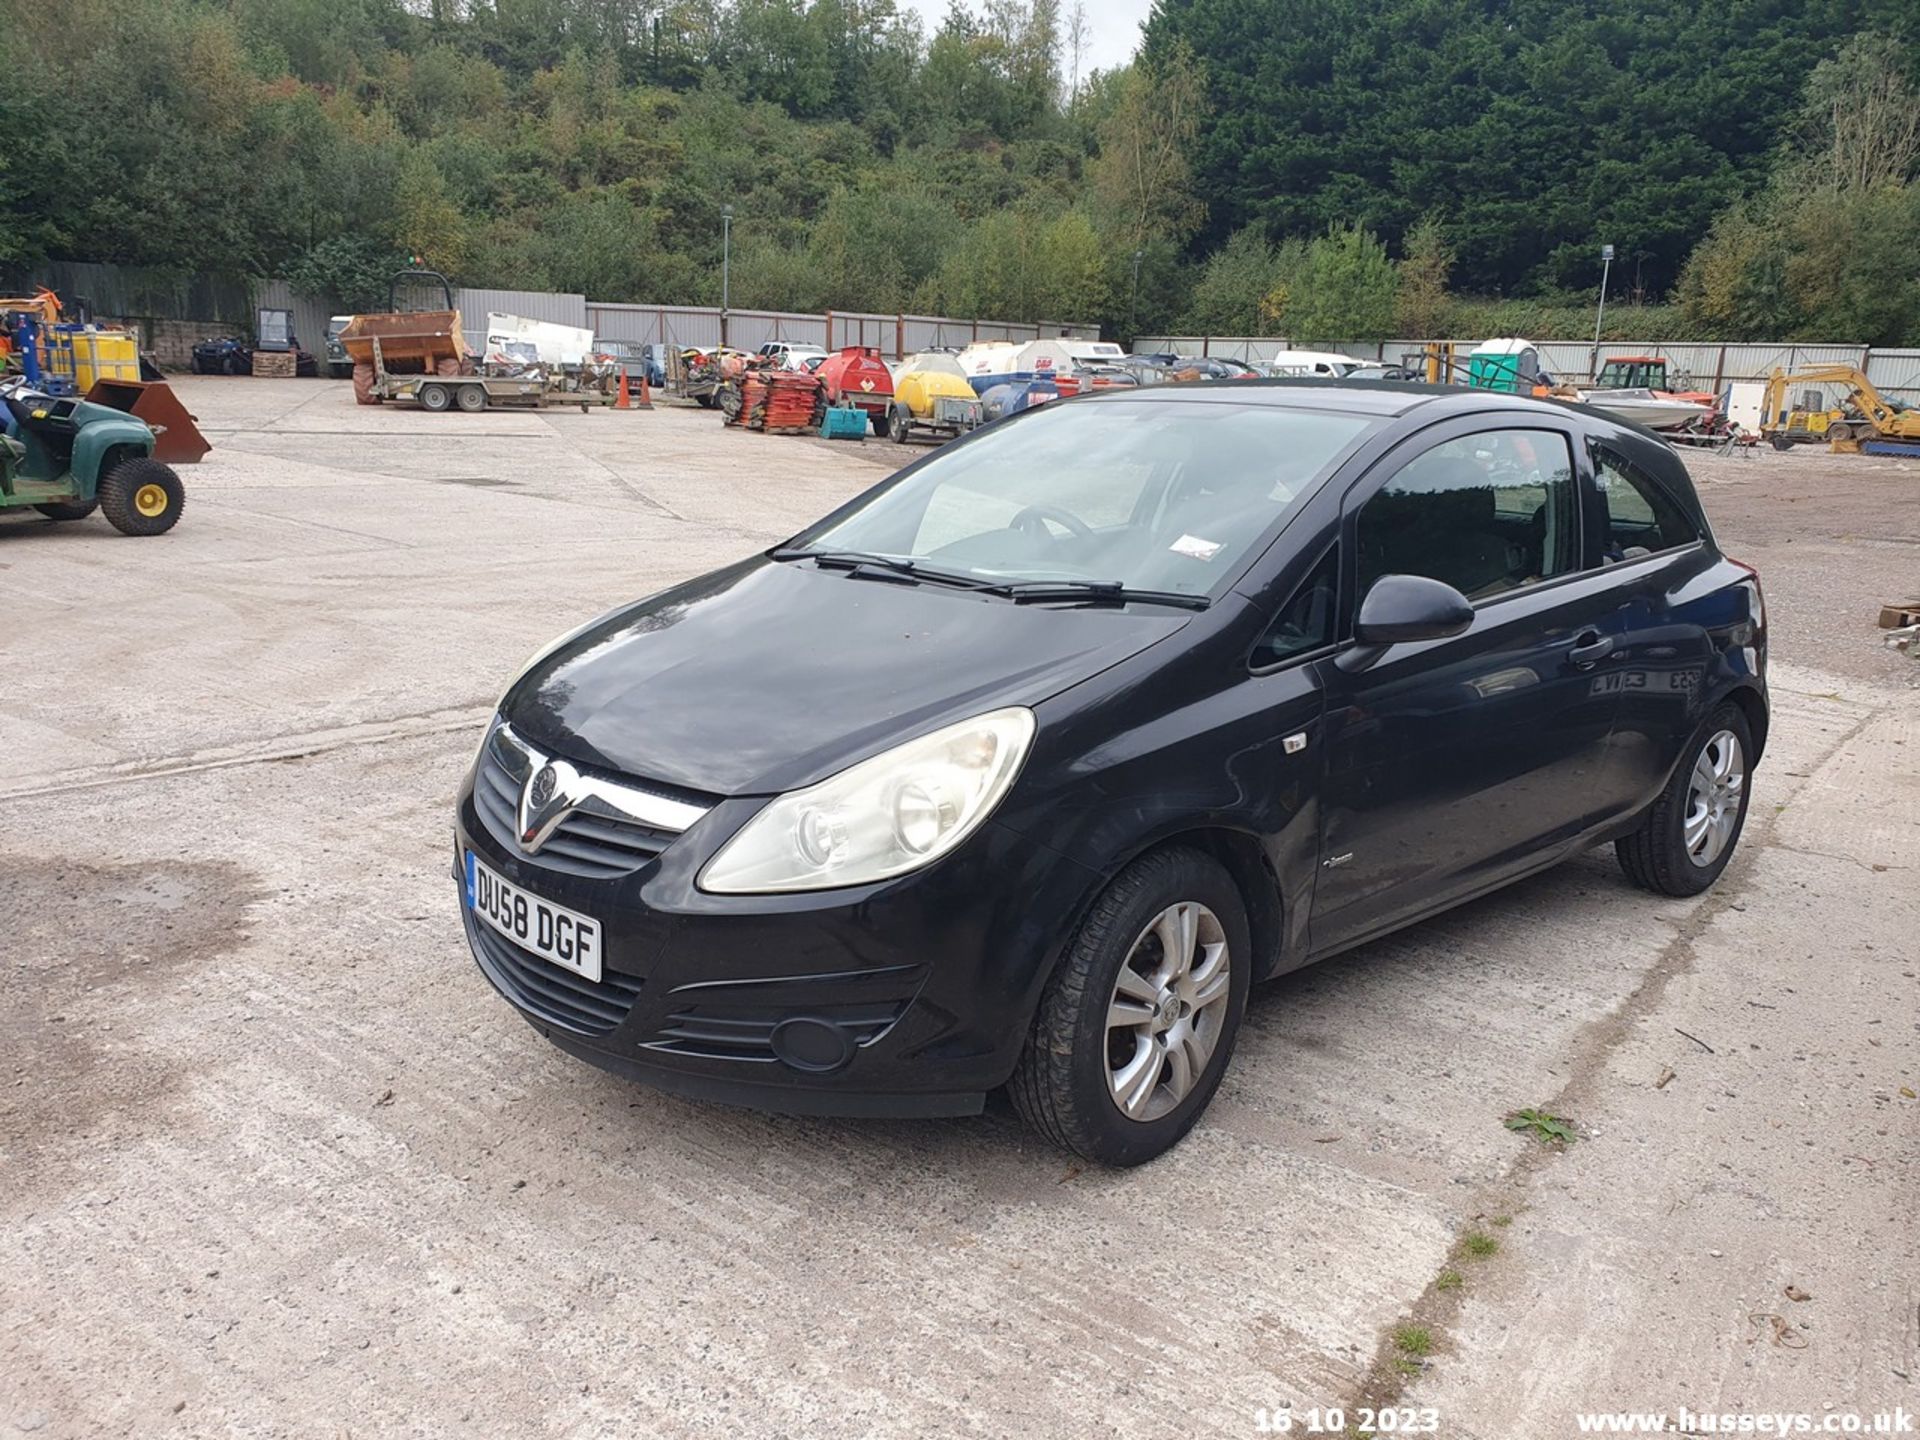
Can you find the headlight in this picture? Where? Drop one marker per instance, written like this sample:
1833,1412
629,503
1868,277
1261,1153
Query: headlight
883,817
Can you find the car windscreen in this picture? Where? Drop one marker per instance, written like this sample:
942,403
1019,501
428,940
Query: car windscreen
1160,495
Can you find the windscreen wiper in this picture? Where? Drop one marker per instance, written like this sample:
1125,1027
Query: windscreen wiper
1096,592
857,561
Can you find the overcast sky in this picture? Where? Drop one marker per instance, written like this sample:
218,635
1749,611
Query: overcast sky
1115,25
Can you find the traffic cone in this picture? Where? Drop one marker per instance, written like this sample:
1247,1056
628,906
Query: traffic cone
625,401
646,395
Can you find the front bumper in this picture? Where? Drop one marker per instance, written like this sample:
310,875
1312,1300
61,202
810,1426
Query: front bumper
910,997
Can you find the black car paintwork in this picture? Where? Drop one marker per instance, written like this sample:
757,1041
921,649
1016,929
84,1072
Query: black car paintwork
801,671
1443,767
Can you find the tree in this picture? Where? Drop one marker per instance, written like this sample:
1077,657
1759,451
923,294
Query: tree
1345,289
1538,127
1235,281
1860,121
350,270
1421,298
1142,176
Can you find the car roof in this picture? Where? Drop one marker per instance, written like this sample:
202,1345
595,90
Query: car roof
1383,398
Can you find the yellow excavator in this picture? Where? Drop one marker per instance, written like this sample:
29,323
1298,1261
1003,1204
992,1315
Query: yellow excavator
1864,415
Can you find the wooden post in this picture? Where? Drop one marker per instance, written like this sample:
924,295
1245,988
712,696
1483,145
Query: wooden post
1720,370
828,347
899,337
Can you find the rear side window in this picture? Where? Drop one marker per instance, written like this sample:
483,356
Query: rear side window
1486,513
1305,622
1638,516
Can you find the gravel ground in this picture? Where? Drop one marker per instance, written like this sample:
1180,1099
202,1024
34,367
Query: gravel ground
280,1163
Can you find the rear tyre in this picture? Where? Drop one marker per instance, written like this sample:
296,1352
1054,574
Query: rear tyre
1689,834
1136,1025
436,398
68,509
471,398
899,426
141,497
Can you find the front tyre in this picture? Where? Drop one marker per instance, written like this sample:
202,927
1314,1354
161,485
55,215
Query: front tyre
141,497
1689,834
1136,1025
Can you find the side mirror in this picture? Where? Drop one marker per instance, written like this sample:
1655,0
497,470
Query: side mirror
1411,607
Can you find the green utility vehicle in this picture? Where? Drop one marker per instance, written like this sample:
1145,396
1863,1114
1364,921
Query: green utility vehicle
66,458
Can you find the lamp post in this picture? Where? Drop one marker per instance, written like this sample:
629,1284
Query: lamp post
1133,302
1606,265
726,264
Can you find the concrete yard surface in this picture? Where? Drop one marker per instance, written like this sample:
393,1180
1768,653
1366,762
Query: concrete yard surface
279,1162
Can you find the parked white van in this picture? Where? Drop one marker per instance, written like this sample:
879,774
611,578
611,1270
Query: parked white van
1313,362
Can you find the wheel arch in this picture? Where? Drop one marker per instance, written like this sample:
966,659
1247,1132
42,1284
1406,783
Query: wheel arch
1753,706
1237,852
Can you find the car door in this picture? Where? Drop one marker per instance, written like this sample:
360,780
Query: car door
1652,550
1454,764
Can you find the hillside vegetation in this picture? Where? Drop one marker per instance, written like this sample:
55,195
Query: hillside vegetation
1341,169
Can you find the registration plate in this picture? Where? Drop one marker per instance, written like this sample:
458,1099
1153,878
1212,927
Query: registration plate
553,932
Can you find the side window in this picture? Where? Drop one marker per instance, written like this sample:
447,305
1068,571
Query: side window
1485,513
1306,621
1637,516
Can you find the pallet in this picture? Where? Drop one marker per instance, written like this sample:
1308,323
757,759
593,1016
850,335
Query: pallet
1898,617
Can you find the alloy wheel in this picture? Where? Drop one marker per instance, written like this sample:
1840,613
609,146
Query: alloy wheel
1167,1011
1714,797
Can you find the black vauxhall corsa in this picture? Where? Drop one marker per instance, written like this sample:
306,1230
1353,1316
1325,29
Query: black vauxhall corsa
1023,766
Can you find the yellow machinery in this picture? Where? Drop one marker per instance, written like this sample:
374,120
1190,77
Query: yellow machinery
1864,415
21,344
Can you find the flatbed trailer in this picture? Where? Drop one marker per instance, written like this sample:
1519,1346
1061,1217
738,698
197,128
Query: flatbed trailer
474,393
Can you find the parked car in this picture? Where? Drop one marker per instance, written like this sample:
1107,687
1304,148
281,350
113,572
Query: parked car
1132,700
1376,372
1210,367
339,363
789,356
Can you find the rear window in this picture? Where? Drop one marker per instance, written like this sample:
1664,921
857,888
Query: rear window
1639,517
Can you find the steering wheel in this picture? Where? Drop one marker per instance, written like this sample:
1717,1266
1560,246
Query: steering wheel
1033,521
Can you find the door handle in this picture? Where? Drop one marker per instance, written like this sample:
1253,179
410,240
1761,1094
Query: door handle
1590,648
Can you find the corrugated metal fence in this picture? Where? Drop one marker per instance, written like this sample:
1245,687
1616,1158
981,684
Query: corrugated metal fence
1711,367
894,336
118,292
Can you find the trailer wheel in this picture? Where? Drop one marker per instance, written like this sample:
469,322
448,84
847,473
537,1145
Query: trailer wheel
899,426
472,398
434,397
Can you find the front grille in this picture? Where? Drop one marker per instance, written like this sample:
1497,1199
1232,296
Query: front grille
735,1019
545,991
594,844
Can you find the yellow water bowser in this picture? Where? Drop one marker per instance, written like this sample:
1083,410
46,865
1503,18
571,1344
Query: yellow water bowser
85,356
